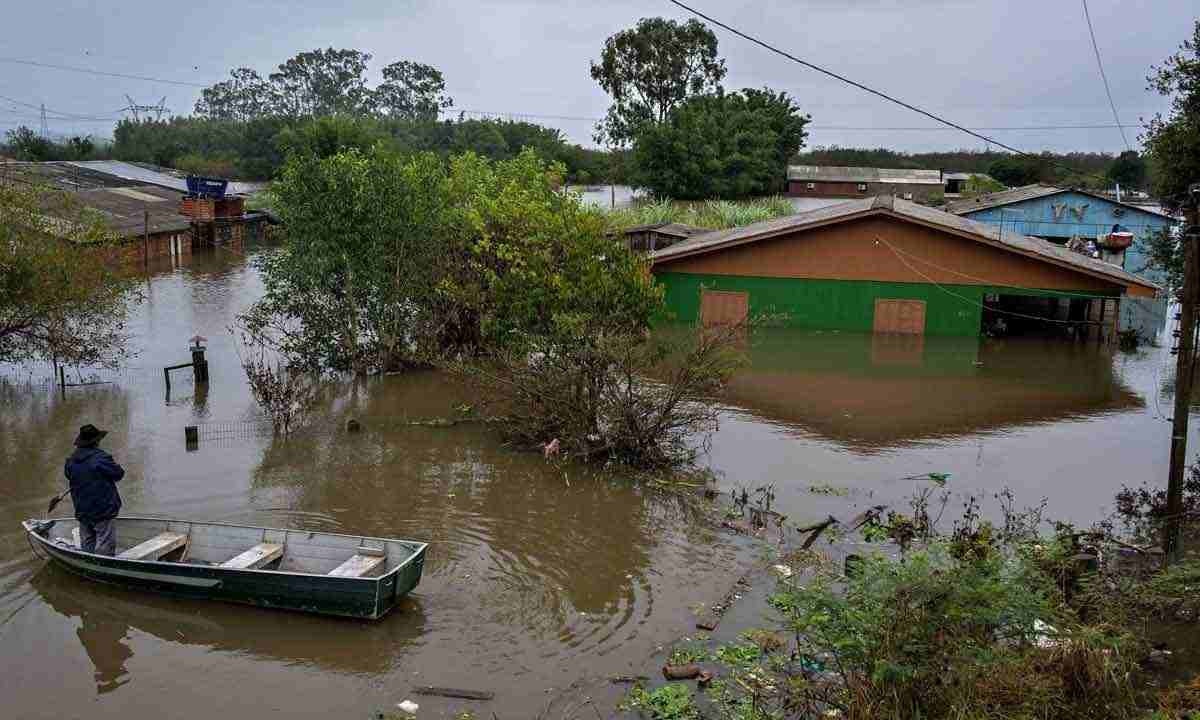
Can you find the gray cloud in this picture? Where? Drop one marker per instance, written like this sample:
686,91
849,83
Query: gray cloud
982,63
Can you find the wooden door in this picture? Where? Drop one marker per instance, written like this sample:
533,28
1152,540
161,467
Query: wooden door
906,317
723,308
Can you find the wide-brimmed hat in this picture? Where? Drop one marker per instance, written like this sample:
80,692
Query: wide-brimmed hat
89,435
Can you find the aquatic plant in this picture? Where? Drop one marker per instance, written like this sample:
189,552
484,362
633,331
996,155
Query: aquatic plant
669,702
712,214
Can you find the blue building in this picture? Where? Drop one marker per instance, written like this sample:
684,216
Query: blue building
1061,215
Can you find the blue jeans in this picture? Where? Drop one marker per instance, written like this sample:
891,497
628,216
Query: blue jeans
98,537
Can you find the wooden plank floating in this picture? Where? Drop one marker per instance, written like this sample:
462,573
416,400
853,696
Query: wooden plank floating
455,693
358,566
256,557
155,547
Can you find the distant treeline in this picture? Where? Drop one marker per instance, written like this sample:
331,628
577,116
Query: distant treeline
1077,169
255,149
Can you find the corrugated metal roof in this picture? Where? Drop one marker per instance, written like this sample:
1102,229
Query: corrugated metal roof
825,173
887,204
1030,192
147,176
121,210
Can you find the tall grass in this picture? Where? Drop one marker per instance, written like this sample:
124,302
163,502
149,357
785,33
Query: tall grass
712,214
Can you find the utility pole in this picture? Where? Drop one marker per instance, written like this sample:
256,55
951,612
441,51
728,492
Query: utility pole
1183,378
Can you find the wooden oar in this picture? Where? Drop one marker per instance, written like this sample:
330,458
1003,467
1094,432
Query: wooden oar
54,503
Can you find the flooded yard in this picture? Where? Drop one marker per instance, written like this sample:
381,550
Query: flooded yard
537,576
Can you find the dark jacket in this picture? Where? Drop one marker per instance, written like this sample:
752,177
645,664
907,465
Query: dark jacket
93,475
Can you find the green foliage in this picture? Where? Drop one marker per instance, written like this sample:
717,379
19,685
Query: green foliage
412,91
24,144
687,652
669,702
1016,171
1128,171
327,136
258,146
739,655
356,284
729,146
197,164
650,69
63,288
940,635
980,185
1173,142
327,82
715,214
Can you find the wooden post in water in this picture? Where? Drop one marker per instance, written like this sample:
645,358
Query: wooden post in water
146,239
1183,380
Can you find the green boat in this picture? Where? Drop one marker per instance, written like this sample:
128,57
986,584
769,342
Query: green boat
317,572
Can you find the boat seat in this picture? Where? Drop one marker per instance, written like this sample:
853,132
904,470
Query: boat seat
254,558
155,547
359,565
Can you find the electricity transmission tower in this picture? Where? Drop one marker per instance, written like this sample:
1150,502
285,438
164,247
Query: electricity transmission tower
137,110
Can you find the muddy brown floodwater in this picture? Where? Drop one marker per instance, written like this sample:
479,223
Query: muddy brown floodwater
537,576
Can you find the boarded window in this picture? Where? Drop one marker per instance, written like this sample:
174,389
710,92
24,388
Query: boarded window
900,316
723,308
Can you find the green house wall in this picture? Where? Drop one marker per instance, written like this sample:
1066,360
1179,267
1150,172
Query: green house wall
838,304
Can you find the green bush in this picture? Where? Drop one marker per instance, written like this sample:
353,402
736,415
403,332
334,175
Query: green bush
945,634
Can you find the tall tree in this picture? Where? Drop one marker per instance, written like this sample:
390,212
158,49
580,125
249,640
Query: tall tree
63,290
1128,171
720,146
321,82
1173,142
412,91
650,69
245,95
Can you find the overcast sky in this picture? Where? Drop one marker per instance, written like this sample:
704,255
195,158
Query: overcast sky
982,63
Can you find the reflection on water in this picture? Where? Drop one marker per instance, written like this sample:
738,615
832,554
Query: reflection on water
537,574
870,393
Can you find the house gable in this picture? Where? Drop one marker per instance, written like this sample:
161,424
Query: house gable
886,248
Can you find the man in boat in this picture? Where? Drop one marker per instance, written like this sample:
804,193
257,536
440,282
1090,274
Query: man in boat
94,475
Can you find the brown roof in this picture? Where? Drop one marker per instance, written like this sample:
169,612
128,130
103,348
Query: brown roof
910,212
827,173
123,208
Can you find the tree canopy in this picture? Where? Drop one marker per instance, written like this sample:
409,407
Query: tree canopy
1173,142
392,260
63,288
332,81
725,145
650,69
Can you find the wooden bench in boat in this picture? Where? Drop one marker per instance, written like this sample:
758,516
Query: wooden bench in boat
155,547
363,563
255,558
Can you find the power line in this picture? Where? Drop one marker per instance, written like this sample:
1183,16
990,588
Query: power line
1014,128
871,90
1103,76
89,71
64,115
590,118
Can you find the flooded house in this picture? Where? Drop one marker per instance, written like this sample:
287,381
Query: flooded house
855,182
1095,224
152,211
888,265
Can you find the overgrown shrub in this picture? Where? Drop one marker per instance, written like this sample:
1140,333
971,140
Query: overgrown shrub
951,634
618,395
